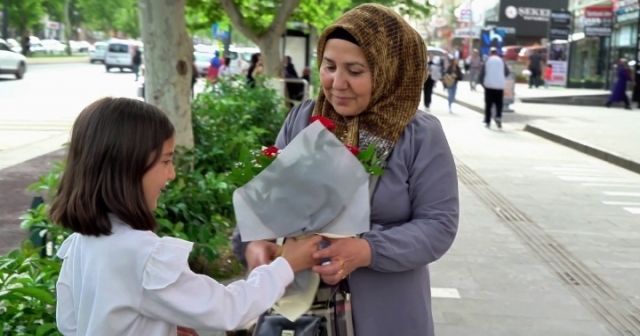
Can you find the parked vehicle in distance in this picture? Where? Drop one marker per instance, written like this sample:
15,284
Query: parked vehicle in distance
97,52
119,54
11,62
510,53
524,54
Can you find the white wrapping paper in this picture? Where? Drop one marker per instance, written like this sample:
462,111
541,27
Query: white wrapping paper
315,186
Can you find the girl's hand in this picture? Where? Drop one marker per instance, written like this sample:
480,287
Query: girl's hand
260,252
346,255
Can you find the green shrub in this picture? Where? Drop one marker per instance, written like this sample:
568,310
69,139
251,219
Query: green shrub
27,292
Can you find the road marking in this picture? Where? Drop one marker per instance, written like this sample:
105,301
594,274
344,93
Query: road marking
564,169
445,293
591,179
620,203
622,193
626,185
635,211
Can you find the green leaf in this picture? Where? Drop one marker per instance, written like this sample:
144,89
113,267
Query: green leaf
35,293
44,329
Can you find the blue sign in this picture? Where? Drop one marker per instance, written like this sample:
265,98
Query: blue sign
489,38
220,31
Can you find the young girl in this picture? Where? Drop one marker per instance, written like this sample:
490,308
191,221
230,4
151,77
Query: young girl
118,277
548,74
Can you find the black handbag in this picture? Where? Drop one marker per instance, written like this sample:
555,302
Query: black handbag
277,325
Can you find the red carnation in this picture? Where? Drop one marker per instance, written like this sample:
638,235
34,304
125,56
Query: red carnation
326,122
270,151
353,150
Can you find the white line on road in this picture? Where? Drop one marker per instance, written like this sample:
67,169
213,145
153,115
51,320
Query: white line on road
591,179
620,203
624,185
622,193
635,211
445,293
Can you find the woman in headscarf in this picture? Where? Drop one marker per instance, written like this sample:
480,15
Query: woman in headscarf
619,91
372,69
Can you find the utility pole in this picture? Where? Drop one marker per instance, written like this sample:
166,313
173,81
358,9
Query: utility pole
5,19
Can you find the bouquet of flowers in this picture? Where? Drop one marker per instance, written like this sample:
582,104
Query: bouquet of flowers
316,185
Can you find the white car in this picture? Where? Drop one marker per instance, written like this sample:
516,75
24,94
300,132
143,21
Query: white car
203,60
53,47
11,62
97,52
119,54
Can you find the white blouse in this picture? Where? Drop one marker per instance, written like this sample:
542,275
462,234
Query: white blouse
136,283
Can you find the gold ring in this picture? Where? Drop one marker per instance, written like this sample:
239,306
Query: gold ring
341,272
341,262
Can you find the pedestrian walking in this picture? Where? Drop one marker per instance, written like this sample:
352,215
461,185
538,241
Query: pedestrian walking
619,92
136,61
432,78
475,63
450,80
535,67
493,78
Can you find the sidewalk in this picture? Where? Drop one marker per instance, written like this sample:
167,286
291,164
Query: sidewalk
548,240
57,60
610,134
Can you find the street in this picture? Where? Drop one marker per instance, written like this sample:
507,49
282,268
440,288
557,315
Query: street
548,242
37,112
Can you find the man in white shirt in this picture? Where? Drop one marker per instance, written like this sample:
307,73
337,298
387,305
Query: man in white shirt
493,77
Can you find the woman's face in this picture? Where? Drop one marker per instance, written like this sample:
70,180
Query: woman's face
345,77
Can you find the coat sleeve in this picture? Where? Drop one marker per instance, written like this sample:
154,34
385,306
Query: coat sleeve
293,124
433,189
173,293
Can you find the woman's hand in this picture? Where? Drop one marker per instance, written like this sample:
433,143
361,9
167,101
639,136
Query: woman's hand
260,252
346,255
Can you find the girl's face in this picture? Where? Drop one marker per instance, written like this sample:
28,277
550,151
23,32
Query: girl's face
159,175
346,77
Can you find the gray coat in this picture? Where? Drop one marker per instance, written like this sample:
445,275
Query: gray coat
414,220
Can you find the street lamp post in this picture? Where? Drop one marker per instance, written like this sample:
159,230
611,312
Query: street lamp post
5,19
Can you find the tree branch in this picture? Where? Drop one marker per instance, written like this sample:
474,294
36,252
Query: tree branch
279,23
234,14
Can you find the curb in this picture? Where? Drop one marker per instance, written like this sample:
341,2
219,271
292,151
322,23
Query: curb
613,158
599,153
56,60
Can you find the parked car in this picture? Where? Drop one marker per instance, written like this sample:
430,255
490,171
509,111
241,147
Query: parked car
203,60
53,47
524,54
11,62
119,54
97,52
510,53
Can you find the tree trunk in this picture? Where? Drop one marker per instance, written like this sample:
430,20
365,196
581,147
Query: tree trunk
168,60
269,41
271,48
68,30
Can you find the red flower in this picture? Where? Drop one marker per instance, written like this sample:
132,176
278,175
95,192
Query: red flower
270,151
330,125
353,150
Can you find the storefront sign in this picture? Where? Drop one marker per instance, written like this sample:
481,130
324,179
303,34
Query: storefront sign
530,18
598,21
597,31
471,32
559,25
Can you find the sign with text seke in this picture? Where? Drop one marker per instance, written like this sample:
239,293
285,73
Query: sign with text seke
529,18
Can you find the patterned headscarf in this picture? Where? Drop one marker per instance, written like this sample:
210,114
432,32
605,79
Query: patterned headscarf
397,57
